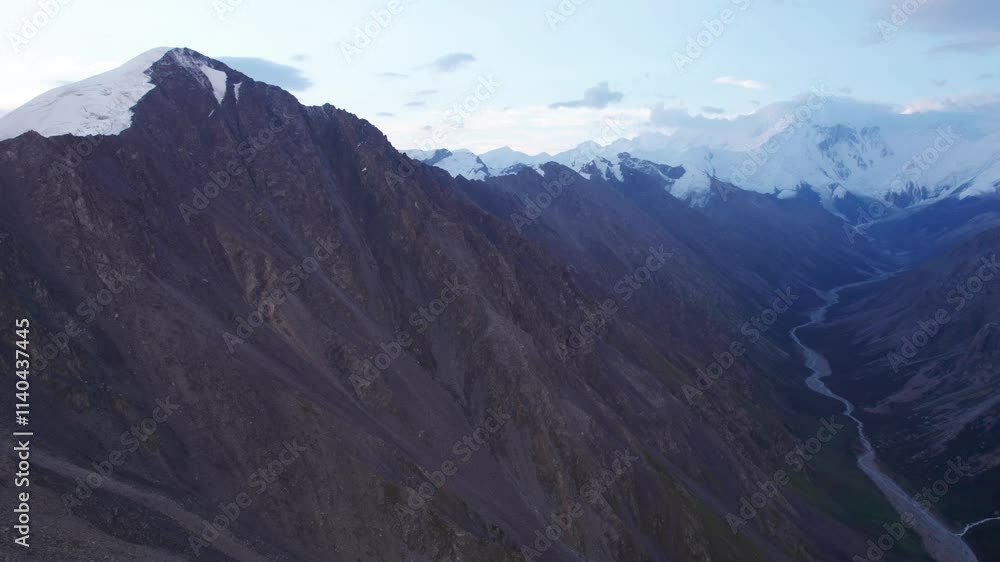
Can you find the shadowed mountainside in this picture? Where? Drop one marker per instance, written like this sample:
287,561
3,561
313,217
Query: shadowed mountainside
253,302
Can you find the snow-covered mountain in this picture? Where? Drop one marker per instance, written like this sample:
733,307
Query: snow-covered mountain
102,104
506,160
458,163
835,147
849,153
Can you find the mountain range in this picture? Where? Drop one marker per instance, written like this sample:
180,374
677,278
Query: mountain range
261,332
852,155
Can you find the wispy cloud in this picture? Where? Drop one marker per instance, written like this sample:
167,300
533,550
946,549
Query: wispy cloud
979,44
288,77
598,97
392,75
941,16
531,129
677,117
452,62
416,103
385,114
713,110
979,104
742,83
966,26
424,93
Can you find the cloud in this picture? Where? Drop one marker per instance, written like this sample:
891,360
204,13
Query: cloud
971,115
846,90
986,76
750,129
598,97
979,44
742,83
392,75
415,103
452,62
676,118
423,93
970,26
282,75
385,114
300,57
939,83
712,110
531,129
942,16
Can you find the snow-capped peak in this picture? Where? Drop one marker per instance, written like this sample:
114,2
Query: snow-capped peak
837,149
458,163
506,158
102,104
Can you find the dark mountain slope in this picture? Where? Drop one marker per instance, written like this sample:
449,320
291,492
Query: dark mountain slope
695,307
929,231
260,315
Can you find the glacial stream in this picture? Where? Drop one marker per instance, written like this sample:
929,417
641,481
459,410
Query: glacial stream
941,542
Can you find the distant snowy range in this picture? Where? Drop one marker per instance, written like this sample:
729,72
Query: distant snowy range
837,148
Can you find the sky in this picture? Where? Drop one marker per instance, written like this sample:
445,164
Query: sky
535,75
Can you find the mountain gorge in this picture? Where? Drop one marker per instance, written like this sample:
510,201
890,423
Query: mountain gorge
918,354
262,332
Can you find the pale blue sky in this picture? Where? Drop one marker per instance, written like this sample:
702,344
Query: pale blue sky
623,53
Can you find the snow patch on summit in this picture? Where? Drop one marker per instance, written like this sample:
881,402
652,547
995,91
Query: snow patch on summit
103,104
217,79
99,105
